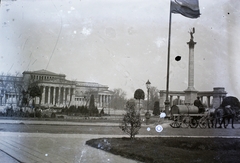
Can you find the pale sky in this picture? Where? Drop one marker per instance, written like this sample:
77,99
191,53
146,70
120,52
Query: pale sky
122,43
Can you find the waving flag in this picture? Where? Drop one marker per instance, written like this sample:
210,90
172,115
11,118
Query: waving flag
188,8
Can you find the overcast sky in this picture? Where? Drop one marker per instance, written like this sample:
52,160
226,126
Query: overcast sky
122,43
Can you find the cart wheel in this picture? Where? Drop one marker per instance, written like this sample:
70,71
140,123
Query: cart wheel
185,122
202,123
175,124
193,123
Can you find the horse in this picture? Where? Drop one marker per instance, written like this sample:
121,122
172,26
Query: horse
222,113
229,109
229,113
209,114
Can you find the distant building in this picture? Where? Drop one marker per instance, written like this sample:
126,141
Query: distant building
56,90
10,93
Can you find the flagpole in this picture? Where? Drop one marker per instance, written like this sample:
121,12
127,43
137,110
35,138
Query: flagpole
167,103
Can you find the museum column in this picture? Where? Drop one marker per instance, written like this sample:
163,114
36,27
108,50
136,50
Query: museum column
59,95
43,95
49,95
54,95
64,94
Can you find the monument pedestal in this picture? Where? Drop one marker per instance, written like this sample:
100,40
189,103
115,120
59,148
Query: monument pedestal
190,95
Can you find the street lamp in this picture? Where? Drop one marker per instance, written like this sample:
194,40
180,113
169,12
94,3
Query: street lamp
148,85
1,91
1,96
147,115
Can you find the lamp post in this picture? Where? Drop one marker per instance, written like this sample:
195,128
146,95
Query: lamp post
147,115
1,97
1,91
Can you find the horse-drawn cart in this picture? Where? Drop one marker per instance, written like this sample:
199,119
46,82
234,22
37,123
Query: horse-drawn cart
188,116
189,120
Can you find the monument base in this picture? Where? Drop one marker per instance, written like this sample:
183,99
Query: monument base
190,95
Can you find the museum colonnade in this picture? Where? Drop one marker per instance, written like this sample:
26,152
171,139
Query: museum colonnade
101,101
104,100
56,96
9,98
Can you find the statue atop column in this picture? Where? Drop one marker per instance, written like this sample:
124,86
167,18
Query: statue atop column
192,31
191,43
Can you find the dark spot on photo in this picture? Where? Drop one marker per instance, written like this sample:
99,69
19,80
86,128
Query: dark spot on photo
178,58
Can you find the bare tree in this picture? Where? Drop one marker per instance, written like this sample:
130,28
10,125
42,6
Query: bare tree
118,99
71,89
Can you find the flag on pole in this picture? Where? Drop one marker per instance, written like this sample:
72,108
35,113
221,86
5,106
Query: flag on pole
188,8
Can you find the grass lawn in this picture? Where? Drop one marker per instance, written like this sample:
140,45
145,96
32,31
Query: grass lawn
172,150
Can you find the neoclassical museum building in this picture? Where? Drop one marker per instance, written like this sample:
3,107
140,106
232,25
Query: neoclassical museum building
56,90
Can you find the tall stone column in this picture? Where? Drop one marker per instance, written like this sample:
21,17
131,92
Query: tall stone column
100,101
107,100
67,95
4,98
54,95
43,95
64,94
103,100
49,94
178,100
59,94
10,99
191,92
73,96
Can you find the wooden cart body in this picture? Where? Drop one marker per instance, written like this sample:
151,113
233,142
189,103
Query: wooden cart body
188,116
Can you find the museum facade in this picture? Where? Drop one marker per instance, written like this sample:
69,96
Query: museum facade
55,88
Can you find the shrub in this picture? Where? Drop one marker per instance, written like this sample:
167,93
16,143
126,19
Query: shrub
102,112
53,115
131,122
72,109
85,110
38,114
93,111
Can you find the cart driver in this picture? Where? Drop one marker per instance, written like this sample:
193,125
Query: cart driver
199,104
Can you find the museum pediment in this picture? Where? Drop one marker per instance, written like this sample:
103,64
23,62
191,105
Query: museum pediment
43,72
